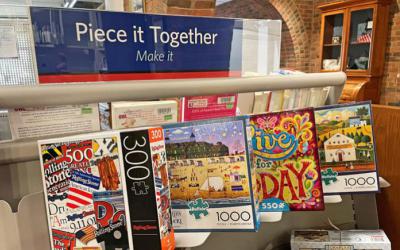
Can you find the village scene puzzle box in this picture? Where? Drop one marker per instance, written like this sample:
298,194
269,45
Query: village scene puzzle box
346,148
211,179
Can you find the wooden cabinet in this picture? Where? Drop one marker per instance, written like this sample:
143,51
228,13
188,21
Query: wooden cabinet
353,40
387,140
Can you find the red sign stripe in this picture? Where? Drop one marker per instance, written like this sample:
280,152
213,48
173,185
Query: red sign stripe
133,76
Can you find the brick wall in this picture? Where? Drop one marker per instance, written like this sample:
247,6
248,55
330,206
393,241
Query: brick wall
261,9
392,63
181,7
298,15
155,6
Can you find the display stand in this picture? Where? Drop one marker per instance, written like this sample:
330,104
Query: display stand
271,217
332,199
383,183
26,150
189,240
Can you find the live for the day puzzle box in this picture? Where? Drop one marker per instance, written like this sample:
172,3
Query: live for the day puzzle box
211,179
286,160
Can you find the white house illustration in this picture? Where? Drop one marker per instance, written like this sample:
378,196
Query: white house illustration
357,122
339,148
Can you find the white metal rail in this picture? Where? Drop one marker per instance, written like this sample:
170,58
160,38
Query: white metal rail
78,93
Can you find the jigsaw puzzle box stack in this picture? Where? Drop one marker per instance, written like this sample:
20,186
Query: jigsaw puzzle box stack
143,175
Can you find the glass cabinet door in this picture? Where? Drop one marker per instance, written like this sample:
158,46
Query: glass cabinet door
332,42
360,38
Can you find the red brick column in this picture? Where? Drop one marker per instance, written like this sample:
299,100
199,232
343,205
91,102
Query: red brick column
298,18
181,7
390,91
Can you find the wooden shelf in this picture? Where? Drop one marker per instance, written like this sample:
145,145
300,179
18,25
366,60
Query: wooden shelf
363,43
332,44
330,70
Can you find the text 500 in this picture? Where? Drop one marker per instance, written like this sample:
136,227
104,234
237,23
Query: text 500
360,181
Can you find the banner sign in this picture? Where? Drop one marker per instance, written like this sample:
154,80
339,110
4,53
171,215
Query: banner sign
87,45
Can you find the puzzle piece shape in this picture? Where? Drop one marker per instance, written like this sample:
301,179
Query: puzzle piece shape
198,207
329,176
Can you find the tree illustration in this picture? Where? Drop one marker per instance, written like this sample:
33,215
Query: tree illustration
366,139
357,139
362,111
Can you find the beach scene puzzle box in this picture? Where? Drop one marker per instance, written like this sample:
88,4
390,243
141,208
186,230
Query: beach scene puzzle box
211,178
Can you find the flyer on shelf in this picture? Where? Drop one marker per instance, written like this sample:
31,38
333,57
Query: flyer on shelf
83,192
140,114
146,192
208,107
211,177
53,120
347,148
286,160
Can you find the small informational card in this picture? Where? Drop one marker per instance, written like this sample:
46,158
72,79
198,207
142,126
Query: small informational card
8,42
141,114
346,148
53,120
209,107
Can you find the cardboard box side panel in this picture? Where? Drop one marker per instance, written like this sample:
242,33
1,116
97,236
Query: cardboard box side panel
162,191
